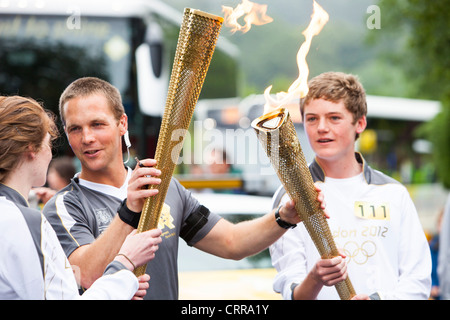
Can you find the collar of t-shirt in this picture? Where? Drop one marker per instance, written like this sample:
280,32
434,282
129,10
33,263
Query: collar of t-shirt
346,181
120,193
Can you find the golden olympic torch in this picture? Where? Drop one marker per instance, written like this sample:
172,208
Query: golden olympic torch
196,42
277,134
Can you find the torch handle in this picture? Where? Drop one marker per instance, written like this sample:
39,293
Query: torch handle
320,233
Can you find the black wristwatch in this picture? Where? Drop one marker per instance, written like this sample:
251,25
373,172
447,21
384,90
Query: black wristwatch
281,222
126,215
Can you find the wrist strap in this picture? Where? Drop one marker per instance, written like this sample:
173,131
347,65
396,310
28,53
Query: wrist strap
281,222
126,215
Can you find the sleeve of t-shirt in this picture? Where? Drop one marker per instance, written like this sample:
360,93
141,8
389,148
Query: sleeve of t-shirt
117,283
443,265
288,254
414,258
191,209
66,215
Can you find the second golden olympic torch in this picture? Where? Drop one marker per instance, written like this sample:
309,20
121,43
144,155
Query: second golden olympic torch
277,134
197,39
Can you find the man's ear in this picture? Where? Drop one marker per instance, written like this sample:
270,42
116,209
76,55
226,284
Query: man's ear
361,124
123,123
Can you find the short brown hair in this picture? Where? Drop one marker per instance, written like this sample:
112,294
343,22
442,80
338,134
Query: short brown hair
337,86
88,86
23,124
64,167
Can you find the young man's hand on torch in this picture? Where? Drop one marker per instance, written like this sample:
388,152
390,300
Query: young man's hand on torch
289,214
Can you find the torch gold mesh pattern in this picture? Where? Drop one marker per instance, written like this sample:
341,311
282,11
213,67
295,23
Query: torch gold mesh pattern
277,134
196,43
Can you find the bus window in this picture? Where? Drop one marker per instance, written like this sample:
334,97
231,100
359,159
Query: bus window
42,53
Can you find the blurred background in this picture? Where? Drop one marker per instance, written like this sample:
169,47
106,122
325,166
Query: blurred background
399,49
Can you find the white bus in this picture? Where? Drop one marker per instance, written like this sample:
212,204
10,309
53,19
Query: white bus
46,44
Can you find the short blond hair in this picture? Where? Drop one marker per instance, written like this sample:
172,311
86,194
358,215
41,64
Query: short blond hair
88,86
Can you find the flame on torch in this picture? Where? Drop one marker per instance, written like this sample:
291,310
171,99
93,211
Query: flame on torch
300,86
253,13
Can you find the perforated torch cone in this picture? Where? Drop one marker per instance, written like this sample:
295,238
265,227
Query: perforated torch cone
277,134
196,43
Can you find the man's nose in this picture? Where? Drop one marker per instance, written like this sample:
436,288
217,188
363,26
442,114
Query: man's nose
323,125
87,136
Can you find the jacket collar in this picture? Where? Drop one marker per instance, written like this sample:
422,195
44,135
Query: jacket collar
319,175
12,195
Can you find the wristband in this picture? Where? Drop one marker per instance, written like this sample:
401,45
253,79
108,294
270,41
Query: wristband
282,223
121,254
126,215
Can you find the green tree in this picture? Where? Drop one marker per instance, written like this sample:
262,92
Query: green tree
425,59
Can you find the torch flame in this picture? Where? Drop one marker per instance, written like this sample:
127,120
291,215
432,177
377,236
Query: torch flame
300,86
254,14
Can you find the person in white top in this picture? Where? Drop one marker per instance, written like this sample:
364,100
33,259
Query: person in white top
371,216
33,264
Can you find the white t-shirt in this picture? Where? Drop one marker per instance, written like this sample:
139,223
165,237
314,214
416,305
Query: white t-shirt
374,222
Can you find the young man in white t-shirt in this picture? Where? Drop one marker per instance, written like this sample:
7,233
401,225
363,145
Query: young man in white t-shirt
372,217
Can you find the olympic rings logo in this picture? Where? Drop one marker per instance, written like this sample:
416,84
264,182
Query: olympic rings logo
359,254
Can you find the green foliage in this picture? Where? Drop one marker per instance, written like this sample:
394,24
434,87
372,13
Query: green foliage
425,56
438,132
426,61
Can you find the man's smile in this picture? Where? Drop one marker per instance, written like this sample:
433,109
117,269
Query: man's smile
91,152
324,140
